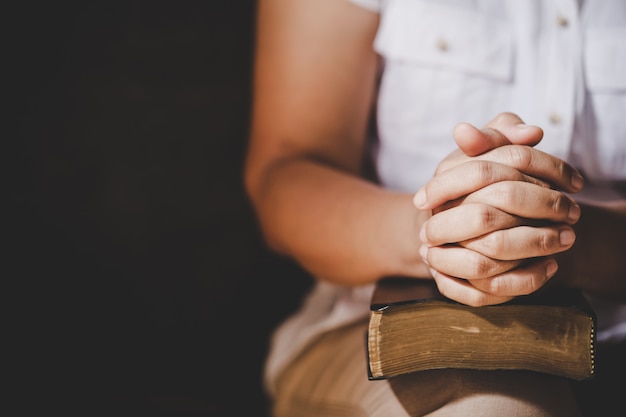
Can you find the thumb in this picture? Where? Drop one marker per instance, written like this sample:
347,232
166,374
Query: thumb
504,129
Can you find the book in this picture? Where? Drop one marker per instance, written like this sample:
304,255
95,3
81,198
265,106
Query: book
413,327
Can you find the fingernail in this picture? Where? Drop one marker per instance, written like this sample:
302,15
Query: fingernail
577,181
551,268
419,199
567,237
574,213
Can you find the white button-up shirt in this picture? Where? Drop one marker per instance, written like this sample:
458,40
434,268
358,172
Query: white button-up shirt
558,64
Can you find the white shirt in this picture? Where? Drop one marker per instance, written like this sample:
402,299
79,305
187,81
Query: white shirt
558,64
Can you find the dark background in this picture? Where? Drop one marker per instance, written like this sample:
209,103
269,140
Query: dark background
135,279
140,282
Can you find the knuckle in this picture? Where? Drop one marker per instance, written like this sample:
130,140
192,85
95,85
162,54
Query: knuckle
536,283
479,266
531,280
547,241
528,285
485,172
563,169
507,193
486,218
559,205
513,285
521,156
497,286
492,244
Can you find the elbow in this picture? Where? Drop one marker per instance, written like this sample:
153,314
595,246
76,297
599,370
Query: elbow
253,180
253,173
250,184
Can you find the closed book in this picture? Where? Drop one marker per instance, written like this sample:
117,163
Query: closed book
413,327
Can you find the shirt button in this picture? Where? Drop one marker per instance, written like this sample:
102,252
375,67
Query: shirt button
442,44
555,118
562,21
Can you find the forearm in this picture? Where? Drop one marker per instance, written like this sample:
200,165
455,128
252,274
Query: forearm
339,227
314,88
597,261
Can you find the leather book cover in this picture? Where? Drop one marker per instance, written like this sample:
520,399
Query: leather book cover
391,291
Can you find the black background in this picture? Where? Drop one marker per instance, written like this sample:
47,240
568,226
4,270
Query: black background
140,283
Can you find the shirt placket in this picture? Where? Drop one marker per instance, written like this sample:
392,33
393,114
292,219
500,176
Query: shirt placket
562,67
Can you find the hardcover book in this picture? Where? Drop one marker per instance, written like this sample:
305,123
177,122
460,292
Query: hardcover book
413,327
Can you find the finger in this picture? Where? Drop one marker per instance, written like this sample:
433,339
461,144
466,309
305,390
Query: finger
473,141
526,159
462,291
515,129
504,129
520,281
528,200
465,222
523,242
536,163
464,263
465,179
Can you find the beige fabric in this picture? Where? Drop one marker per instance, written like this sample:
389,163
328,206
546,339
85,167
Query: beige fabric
443,393
329,379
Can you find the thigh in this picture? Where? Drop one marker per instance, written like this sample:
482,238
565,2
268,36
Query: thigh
330,379
472,393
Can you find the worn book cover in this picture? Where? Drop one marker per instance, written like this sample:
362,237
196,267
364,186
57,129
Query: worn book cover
413,327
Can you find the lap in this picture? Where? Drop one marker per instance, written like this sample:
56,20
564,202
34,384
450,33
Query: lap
330,378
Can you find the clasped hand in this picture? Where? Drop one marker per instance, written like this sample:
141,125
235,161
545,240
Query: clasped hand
500,212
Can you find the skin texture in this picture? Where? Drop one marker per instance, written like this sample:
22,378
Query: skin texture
497,220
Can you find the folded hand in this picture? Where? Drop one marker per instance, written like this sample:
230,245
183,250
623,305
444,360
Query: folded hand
500,210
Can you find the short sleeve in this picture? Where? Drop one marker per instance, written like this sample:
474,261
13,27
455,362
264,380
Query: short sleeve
373,5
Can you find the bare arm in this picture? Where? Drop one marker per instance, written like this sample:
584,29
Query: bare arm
315,74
